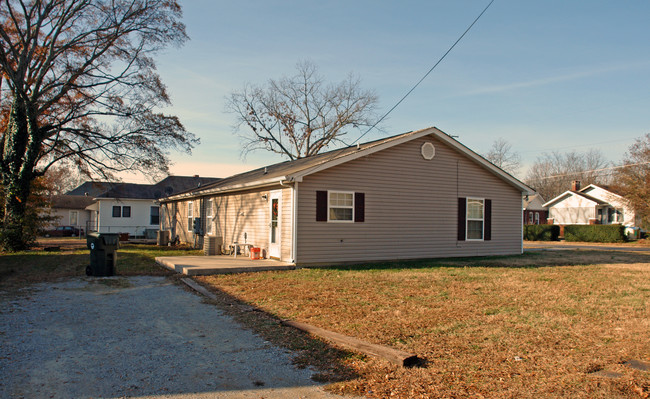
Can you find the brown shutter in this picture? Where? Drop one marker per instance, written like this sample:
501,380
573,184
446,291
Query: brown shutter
321,206
487,220
462,214
359,207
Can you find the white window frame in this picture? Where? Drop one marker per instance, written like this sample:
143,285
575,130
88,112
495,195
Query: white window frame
530,218
329,206
536,217
209,214
468,219
150,215
190,215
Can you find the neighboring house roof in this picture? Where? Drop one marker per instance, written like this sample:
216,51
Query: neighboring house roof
569,193
70,201
91,188
295,170
611,190
168,186
531,201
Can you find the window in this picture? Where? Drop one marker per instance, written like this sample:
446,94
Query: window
208,216
340,206
474,219
615,215
190,218
154,215
74,218
126,211
530,218
117,211
536,217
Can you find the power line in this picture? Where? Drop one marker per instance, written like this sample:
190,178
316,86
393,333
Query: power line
425,75
590,171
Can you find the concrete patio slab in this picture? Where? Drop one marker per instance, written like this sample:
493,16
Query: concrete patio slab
205,265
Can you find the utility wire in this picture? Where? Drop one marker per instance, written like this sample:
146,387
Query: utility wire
590,171
425,75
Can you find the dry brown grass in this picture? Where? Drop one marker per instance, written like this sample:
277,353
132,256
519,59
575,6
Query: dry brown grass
536,325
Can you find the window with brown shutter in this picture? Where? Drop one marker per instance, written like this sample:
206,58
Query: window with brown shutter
340,207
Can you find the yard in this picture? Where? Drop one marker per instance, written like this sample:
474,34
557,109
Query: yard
545,324
539,325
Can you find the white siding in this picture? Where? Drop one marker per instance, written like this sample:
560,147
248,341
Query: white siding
134,225
573,209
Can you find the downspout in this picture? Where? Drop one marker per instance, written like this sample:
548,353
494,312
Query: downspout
294,223
522,222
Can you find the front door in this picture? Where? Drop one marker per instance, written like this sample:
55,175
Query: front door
275,231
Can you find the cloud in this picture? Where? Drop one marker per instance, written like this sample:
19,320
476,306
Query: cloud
581,74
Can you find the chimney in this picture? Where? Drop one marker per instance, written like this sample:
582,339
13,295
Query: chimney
575,185
198,176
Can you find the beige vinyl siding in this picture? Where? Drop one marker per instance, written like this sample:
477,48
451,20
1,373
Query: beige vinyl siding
411,208
236,215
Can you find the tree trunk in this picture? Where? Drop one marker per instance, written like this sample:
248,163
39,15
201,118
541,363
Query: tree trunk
18,160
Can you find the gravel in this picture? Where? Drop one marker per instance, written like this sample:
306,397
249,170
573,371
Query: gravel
136,336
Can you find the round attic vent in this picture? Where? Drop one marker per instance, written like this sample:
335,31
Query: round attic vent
428,151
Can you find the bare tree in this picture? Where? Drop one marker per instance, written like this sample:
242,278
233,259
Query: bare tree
632,180
502,155
301,115
552,174
81,87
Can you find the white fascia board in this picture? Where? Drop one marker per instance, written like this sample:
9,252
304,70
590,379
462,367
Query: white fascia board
278,180
564,194
525,190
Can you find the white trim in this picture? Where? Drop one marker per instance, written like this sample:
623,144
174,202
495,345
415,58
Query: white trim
467,219
275,194
570,193
294,223
342,207
190,215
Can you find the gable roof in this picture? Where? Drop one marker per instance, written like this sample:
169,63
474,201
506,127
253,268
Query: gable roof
294,171
570,193
531,200
168,186
70,201
609,189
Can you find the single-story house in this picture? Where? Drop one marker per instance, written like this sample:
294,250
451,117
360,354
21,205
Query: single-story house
594,204
420,194
128,207
534,210
70,210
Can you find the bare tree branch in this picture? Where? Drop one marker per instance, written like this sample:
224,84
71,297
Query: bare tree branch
300,116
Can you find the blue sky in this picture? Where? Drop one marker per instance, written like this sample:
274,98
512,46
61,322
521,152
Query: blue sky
551,75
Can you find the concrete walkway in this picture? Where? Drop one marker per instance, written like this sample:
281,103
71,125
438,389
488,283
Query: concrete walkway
203,265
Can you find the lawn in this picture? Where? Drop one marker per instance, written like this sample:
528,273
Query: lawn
18,269
538,325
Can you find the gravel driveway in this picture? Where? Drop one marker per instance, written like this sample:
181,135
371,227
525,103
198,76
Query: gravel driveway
136,336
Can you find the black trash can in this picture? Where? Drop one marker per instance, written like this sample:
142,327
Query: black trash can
103,253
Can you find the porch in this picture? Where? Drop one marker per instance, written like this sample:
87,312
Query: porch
220,264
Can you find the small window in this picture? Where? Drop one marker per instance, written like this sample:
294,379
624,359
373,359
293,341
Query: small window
126,211
154,215
536,217
189,216
474,219
340,206
117,211
208,216
74,218
530,218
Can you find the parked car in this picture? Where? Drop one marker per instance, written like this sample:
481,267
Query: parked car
64,231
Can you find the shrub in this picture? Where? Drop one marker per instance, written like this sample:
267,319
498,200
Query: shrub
541,232
595,233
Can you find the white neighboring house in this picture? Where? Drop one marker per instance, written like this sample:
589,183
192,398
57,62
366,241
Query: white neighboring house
591,205
70,210
131,208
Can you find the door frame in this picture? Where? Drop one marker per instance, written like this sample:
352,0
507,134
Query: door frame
275,248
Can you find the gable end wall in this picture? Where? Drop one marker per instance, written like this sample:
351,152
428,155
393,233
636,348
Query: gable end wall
410,208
